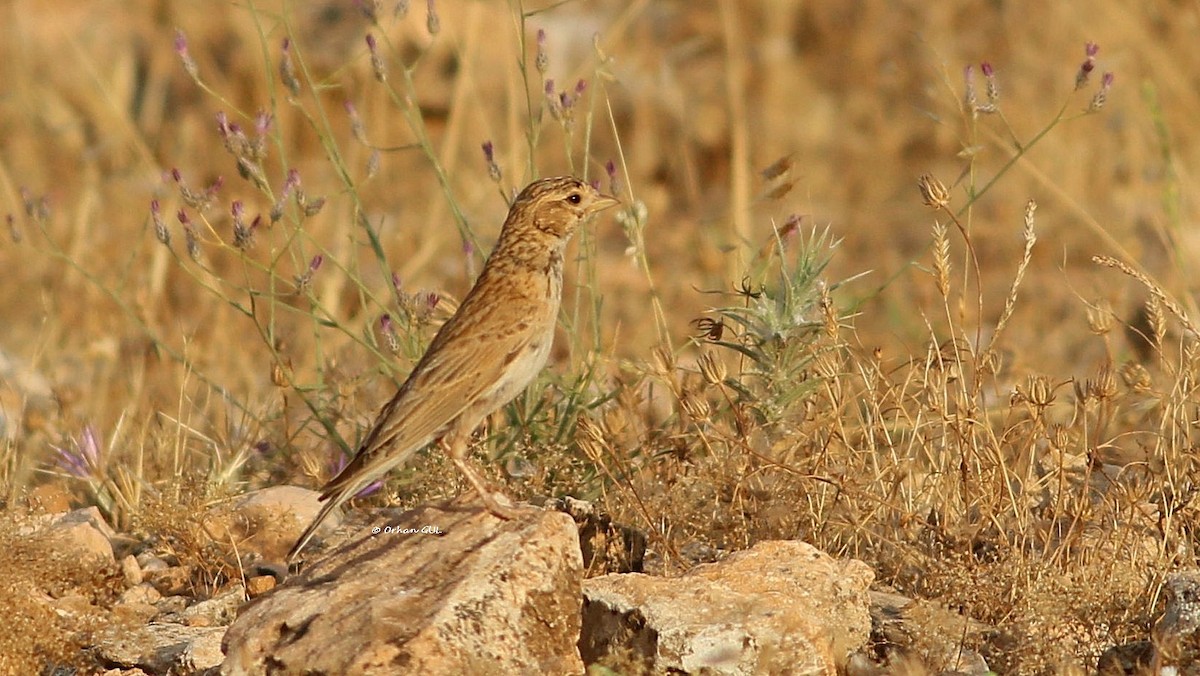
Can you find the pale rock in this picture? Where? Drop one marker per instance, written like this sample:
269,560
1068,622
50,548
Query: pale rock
259,585
161,648
266,522
777,608
171,581
82,535
218,611
471,594
131,570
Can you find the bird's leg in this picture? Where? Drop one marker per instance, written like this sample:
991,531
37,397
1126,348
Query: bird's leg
458,448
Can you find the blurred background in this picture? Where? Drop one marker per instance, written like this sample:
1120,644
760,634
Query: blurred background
694,102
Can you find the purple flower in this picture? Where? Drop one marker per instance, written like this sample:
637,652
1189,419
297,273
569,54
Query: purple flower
84,460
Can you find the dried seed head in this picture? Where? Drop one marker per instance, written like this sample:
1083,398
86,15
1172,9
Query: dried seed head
933,192
1104,387
712,368
1038,391
695,406
709,329
1136,377
1100,317
941,259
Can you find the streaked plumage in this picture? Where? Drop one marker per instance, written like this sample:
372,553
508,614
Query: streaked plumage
487,353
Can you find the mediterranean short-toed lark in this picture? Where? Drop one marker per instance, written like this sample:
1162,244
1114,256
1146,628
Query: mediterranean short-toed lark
484,355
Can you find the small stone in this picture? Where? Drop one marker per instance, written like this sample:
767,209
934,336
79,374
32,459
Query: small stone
142,593
217,611
260,584
171,581
132,570
151,562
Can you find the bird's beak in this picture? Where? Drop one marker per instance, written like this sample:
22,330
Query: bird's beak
604,202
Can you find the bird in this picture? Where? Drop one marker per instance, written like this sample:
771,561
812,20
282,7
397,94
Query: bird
486,354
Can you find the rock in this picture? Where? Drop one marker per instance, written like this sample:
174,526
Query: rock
50,499
142,593
131,570
267,522
478,595
778,608
259,585
90,516
171,581
218,611
81,535
162,648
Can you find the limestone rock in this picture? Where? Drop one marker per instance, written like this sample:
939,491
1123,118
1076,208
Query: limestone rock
470,594
778,608
162,648
83,535
266,522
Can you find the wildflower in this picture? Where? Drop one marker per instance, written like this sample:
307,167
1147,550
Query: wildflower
339,463
1101,95
243,235
993,88
614,181
377,65
489,156
181,49
304,281
287,70
969,100
190,239
84,461
160,228
432,23
388,328
1089,64
542,60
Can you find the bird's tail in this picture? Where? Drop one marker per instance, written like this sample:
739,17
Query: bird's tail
332,504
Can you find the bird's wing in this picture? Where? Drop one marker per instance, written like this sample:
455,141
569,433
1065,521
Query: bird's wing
466,359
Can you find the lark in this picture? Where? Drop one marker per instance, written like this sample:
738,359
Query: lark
486,354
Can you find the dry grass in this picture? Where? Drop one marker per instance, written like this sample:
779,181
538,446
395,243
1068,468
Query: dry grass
989,418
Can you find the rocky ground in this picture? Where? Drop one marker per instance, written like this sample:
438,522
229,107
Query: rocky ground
449,589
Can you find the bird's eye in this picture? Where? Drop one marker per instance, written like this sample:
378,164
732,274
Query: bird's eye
574,198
